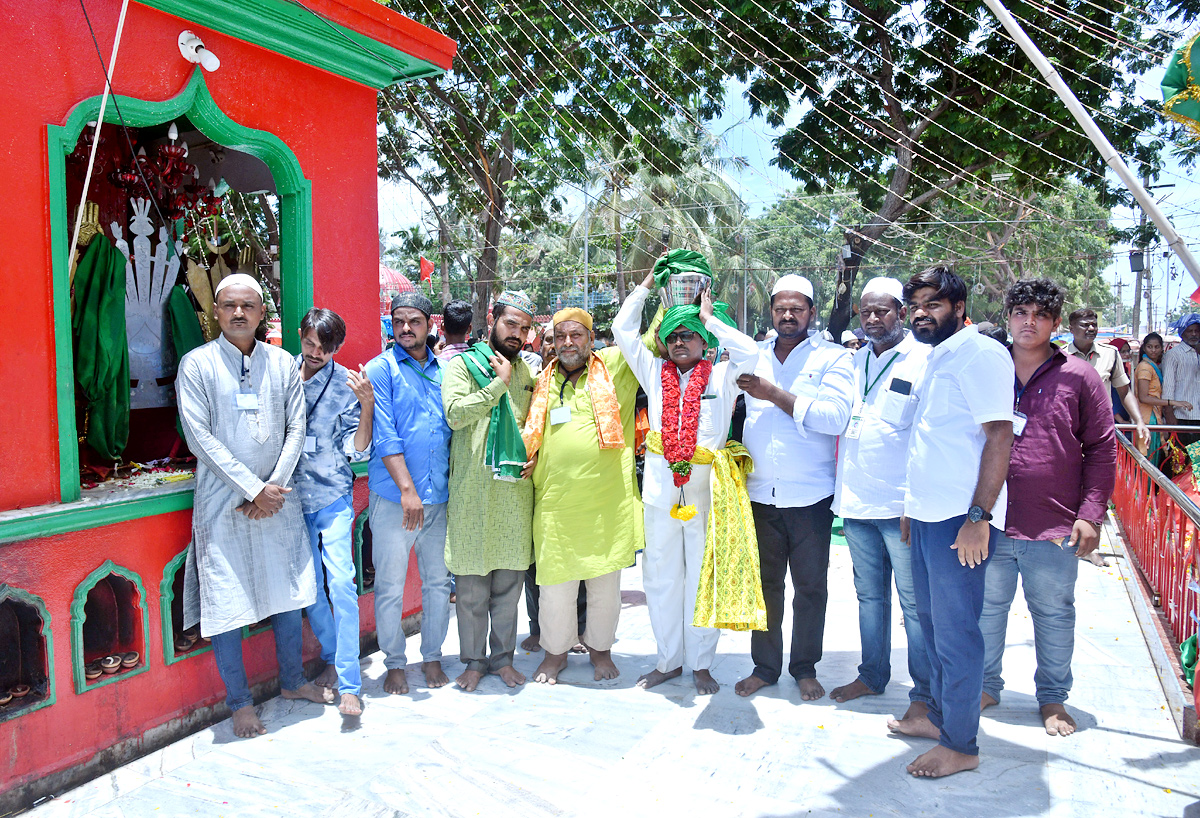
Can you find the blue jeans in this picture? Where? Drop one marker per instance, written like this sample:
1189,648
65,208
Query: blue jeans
391,545
1048,574
227,647
949,602
877,554
336,627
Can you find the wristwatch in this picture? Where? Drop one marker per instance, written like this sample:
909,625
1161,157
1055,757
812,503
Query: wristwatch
976,513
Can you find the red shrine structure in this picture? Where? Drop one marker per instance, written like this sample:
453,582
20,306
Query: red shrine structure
272,119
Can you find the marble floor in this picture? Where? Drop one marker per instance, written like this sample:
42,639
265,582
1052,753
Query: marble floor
587,748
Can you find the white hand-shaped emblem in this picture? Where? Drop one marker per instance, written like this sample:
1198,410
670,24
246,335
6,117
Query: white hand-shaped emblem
148,282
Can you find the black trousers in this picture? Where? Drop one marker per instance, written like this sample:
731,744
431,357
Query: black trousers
532,607
795,540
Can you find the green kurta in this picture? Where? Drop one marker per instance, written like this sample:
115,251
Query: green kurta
489,523
587,518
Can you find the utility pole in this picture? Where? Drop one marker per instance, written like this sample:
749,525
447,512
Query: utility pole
1120,304
1138,286
587,234
745,278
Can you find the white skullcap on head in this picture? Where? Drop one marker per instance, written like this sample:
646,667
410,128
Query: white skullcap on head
240,279
885,285
848,335
792,283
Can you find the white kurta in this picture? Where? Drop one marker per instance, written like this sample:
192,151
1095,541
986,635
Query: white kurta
240,571
675,548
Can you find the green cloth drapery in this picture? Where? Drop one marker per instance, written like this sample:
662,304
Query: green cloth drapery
101,347
1181,94
679,261
505,452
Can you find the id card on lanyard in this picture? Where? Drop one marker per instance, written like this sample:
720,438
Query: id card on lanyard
858,413
245,399
310,441
1019,417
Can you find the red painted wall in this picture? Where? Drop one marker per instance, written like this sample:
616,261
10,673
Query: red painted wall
329,123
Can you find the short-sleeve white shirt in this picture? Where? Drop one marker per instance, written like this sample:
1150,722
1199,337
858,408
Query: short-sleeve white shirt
871,467
794,456
968,382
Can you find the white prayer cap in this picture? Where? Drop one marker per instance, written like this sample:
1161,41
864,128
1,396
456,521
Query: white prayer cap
885,285
795,284
848,335
242,280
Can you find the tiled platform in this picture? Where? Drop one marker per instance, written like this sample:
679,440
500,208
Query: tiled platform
585,748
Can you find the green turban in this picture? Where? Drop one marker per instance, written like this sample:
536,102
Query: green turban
679,261
688,317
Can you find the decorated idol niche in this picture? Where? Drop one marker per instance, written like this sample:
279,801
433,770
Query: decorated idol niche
182,213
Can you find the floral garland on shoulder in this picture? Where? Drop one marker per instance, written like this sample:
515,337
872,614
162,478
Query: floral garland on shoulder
679,435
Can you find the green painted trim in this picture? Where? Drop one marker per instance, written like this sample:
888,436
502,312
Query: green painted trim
166,596
64,370
359,523
7,592
295,251
77,604
63,519
291,30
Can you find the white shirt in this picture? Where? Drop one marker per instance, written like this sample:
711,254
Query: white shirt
793,455
716,404
1181,379
968,382
871,467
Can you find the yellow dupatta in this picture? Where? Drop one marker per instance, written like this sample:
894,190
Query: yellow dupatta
730,593
604,405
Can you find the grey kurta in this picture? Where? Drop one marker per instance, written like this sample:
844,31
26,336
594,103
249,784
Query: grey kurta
240,571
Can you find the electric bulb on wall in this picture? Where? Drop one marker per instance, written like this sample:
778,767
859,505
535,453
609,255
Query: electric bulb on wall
193,50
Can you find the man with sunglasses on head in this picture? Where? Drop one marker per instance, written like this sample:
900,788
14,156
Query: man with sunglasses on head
699,408
798,401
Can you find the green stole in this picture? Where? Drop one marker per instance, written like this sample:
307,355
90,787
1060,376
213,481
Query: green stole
505,449
101,347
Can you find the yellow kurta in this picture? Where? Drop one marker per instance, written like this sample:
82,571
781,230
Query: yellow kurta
587,513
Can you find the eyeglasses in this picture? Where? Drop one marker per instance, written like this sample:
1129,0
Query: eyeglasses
683,335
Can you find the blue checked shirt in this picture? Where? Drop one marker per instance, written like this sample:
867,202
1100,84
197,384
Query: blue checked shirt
409,420
324,476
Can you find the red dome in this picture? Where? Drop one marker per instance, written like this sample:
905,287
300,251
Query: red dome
391,283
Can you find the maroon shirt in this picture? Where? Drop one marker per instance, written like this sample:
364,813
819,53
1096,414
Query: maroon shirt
1064,465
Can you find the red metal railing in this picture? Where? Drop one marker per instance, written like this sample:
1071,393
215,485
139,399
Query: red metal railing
1162,527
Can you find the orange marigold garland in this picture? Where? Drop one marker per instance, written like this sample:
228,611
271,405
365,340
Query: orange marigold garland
679,429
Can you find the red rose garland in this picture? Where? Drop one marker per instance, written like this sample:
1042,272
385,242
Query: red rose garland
679,439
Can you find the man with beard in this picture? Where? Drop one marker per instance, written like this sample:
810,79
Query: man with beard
870,491
798,402
677,512
489,521
409,481
587,515
1181,378
954,507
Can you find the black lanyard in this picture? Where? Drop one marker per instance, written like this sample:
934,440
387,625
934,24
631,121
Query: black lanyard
317,402
563,390
1020,390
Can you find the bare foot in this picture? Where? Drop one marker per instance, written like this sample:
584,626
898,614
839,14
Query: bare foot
511,676
602,661
706,685
547,672
434,675
915,726
851,691
579,647
350,705
469,680
916,710
1096,559
749,686
395,682
987,700
246,723
532,643
1058,722
657,677
811,690
309,691
942,761
328,677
